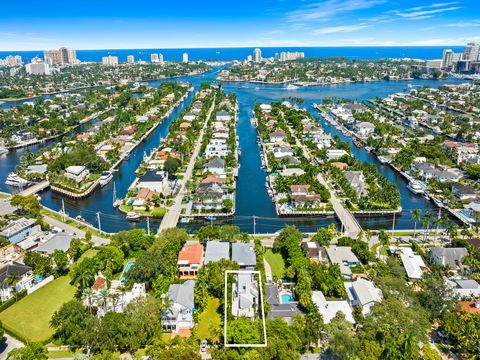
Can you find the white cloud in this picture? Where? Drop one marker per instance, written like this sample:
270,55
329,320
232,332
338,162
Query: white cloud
340,29
473,23
416,15
437,5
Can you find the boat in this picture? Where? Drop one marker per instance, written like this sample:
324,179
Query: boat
106,178
210,218
368,148
291,87
14,180
382,159
415,187
81,219
133,216
358,144
127,154
3,150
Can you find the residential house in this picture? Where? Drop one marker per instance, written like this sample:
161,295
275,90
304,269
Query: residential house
356,179
244,255
333,154
245,297
223,116
464,288
413,263
277,309
215,166
328,309
282,151
156,181
179,316
314,251
11,253
58,241
144,199
217,250
77,173
344,257
363,293
23,275
209,196
451,257
364,129
190,259
463,192
277,136
18,230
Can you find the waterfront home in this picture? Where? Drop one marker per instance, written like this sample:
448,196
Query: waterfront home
428,171
339,165
413,263
463,192
450,257
185,125
363,293
279,309
128,131
156,181
245,295
292,171
301,197
223,116
209,196
214,179
314,251
23,275
328,309
463,288
364,129
84,137
215,166
266,108
277,136
461,152
178,317
220,134
216,147
77,173
20,229
37,169
143,199
217,250
354,107
189,117
244,255
471,211
356,179
333,154
344,257
190,259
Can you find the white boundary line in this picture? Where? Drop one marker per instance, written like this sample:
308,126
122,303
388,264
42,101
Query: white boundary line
226,307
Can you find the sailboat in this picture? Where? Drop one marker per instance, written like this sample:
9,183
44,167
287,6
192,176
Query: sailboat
116,202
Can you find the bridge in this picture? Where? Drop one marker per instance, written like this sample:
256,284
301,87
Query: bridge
35,188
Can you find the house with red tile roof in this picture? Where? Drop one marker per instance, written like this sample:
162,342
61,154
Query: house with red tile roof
190,259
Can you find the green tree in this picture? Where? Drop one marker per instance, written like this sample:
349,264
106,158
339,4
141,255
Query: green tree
32,351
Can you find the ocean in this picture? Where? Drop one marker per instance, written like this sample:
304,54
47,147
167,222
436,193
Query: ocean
416,52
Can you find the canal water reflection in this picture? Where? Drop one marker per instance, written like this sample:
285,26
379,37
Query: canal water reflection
251,199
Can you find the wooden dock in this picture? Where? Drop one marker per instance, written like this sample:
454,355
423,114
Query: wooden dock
35,188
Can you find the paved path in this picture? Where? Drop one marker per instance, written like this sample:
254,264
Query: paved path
35,188
170,220
7,344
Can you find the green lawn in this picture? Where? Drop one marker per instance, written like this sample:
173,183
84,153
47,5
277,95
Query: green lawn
276,263
30,317
208,320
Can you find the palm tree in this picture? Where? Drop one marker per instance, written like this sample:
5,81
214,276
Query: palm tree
465,230
416,215
12,281
426,223
452,230
103,297
436,223
87,295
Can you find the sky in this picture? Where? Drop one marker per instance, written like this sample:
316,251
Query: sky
138,24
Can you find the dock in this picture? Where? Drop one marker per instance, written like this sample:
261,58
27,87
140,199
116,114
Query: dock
35,188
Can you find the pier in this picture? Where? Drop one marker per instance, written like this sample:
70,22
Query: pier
35,188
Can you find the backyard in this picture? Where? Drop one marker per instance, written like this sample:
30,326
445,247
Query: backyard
209,322
30,317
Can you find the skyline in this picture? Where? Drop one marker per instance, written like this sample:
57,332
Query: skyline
268,23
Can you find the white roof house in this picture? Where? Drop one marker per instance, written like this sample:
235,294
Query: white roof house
328,309
216,250
464,288
343,256
413,264
363,293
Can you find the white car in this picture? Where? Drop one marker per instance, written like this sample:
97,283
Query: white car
203,346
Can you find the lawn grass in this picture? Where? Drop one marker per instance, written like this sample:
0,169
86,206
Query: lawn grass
276,263
30,317
208,320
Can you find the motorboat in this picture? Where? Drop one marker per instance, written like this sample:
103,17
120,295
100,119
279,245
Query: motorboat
14,179
82,220
291,87
133,216
382,159
106,178
415,187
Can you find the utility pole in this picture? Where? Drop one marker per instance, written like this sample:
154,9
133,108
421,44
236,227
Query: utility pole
148,225
254,225
99,225
393,223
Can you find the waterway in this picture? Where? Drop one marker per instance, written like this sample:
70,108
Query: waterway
251,199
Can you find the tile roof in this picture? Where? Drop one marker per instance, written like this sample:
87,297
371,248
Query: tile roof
191,253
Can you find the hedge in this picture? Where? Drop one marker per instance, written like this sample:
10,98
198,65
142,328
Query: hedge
6,304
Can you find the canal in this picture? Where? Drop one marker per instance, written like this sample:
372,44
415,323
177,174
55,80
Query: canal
254,209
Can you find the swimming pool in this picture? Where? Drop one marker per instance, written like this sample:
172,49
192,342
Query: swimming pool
127,268
287,298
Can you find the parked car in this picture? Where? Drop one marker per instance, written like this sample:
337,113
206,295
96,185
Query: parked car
203,346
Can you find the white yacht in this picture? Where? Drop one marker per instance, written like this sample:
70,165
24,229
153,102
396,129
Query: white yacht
415,187
3,150
291,87
106,178
14,180
133,216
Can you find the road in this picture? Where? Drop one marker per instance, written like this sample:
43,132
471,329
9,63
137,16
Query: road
7,344
170,220
73,230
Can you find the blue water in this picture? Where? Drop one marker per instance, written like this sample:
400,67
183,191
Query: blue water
417,52
129,265
287,298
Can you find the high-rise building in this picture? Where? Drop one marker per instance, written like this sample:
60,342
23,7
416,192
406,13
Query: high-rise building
249,58
160,58
471,52
276,56
72,56
37,67
130,59
447,58
257,55
18,60
185,57
110,60
154,58
53,57
283,56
